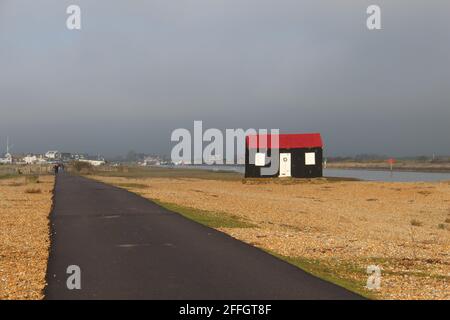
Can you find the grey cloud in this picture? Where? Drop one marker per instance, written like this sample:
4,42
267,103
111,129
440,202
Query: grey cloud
140,69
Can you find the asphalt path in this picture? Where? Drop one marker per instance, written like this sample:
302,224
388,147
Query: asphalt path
127,247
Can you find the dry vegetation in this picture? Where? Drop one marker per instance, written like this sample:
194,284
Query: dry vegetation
332,229
25,203
400,165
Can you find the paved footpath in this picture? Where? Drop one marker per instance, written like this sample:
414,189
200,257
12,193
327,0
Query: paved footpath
128,247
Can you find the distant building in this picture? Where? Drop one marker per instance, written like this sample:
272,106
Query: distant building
65,156
151,161
300,155
94,163
182,163
30,159
78,156
8,159
33,159
52,155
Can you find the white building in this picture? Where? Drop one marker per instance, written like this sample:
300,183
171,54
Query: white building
94,163
30,159
182,163
7,159
52,155
34,159
150,161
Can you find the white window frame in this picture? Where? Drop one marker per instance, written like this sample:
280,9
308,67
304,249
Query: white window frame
260,159
310,158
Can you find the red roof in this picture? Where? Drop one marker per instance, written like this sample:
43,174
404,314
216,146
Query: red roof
286,141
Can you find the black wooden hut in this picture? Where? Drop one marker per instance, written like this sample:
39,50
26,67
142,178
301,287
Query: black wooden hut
300,155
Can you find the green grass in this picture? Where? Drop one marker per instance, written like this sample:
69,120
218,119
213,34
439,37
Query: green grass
402,267
294,181
158,172
136,172
28,178
207,218
330,272
8,176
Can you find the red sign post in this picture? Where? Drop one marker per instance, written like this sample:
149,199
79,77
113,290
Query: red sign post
391,162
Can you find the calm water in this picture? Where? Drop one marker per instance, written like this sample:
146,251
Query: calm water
370,175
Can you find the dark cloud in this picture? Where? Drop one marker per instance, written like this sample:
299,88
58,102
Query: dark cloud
139,69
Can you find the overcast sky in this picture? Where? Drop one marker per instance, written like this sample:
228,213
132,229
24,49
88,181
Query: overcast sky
139,69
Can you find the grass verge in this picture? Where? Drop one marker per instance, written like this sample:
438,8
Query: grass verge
327,271
8,176
160,172
207,218
294,181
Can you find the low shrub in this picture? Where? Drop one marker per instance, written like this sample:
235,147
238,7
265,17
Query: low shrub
33,190
416,223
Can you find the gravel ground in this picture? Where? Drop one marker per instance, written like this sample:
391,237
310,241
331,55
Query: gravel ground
24,236
402,227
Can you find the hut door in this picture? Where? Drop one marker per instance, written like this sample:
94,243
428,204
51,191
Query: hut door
285,164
